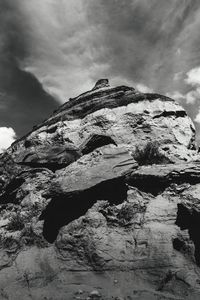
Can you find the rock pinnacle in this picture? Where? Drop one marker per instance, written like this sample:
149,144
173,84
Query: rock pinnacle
101,83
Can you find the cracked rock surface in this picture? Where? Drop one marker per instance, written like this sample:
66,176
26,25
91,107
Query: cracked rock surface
81,219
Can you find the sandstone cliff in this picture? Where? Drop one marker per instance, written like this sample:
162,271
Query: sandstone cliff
101,201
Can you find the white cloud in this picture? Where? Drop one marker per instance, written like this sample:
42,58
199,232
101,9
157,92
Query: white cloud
193,96
177,76
197,118
7,137
193,77
176,95
118,80
143,88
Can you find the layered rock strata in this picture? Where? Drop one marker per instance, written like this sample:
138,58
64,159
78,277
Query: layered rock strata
82,218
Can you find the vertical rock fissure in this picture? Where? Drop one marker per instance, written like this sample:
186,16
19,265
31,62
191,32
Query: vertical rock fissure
189,218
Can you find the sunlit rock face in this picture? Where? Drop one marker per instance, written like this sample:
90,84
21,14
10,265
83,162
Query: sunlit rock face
121,113
101,201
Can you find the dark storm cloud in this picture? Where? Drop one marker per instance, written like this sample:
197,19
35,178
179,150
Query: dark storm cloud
74,43
23,101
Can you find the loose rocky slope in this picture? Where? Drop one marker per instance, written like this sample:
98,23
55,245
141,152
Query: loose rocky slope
80,218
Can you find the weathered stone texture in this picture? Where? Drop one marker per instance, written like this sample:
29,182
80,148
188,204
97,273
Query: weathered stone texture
81,219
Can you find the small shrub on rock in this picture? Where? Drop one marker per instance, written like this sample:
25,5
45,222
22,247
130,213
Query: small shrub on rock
16,223
149,155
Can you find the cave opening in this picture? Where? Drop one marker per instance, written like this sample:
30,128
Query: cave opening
96,141
67,207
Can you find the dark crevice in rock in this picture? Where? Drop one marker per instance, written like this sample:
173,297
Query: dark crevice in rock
189,218
52,129
149,184
164,281
58,158
64,208
192,144
50,166
156,185
177,114
178,244
54,158
27,143
96,141
14,184
10,191
27,156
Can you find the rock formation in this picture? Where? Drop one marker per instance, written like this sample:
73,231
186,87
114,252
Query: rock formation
101,201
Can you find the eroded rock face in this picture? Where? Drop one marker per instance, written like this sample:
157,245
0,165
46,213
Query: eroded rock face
81,219
122,114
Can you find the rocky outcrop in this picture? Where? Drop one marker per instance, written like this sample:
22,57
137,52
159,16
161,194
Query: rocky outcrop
101,83
127,117
155,179
82,218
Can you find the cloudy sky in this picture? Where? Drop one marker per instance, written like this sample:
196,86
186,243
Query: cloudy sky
51,50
